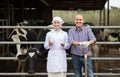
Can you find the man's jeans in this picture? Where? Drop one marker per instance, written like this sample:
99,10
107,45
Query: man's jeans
78,63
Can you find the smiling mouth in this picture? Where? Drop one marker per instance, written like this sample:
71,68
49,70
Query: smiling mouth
79,23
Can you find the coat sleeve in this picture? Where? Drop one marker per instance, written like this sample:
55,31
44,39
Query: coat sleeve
67,45
46,44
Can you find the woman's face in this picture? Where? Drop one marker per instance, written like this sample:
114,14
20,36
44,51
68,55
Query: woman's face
56,25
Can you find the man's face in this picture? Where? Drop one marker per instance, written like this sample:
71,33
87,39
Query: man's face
78,21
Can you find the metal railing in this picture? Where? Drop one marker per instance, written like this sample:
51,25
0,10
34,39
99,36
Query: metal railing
64,27
42,42
69,58
42,73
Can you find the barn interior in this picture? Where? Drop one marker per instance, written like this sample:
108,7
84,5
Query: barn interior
15,11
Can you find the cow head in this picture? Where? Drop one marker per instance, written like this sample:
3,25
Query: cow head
19,34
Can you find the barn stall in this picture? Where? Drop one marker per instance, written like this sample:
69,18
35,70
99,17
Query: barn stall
14,11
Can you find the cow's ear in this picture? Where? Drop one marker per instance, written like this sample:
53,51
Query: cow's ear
28,50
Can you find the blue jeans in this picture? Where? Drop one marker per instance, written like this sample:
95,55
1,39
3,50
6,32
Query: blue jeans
78,63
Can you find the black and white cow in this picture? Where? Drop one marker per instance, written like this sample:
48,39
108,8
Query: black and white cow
113,37
39,47
29,52
17,35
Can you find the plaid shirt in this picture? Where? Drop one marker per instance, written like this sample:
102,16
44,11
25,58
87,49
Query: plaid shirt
85,34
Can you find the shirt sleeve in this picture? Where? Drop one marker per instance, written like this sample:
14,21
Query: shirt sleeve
70,37
91,36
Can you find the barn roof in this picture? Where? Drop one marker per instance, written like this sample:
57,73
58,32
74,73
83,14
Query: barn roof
75,4
18,10
59,4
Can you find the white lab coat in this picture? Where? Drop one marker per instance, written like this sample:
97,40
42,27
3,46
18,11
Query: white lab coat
56,59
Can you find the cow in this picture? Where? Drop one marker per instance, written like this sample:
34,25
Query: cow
40,47
32,53
113,37
27,52
18,35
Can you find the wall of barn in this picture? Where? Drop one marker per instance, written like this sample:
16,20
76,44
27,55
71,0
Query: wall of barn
43,14
15,14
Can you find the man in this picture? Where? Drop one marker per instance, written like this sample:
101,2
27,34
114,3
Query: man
80,39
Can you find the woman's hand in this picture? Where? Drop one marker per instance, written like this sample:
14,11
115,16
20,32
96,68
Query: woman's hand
63,44
50,42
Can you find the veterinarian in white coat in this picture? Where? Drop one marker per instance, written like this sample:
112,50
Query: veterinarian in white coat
56,41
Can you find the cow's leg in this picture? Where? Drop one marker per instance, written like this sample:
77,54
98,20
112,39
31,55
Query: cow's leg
17,40
95,50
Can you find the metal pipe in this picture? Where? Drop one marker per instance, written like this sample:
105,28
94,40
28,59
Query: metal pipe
100,58
45,27
98,74
69,58
42,42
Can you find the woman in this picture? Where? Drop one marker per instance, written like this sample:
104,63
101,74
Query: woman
56,41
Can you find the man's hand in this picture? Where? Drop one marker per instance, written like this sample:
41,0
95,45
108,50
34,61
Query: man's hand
85,44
